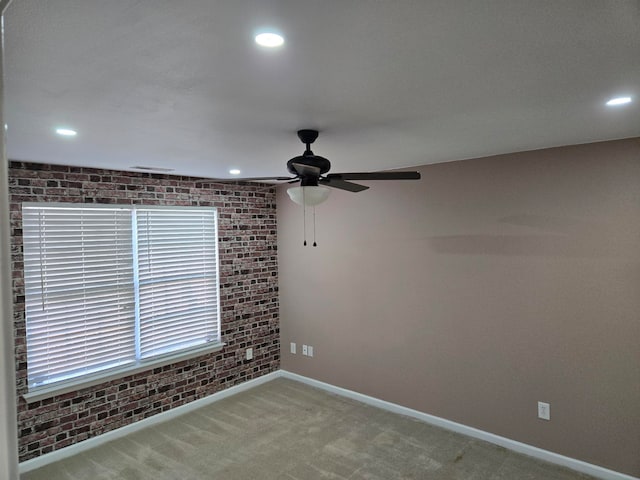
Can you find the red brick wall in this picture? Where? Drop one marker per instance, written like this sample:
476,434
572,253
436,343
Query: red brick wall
248,292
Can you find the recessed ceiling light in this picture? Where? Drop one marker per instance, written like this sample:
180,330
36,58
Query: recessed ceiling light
619,101
66,132
270,39
235,171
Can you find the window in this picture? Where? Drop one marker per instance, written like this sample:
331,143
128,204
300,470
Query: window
116,287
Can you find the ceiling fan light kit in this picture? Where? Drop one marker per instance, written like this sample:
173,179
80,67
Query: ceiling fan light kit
308,196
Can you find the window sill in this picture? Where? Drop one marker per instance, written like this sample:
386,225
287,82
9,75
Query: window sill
113,374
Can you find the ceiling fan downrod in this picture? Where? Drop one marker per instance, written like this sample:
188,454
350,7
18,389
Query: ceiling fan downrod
307,137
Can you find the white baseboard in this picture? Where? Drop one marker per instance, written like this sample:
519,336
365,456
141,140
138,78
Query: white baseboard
572,463
93,442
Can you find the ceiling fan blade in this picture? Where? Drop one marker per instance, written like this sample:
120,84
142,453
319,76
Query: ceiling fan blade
253,179
342,185
376,176
306,170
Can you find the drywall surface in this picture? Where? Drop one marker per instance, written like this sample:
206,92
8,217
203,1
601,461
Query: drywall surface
486,287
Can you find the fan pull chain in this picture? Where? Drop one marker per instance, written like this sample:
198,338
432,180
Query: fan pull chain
304,217
314,227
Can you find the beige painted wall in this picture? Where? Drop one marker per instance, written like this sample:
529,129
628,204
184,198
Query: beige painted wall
479,290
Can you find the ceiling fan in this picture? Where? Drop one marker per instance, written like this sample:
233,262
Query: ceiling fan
311,171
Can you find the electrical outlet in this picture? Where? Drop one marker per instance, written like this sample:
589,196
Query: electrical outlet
305,350
249,353
293,347
310,350
544,411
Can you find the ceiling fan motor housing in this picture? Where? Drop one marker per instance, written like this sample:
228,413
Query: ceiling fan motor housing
308,158
308,136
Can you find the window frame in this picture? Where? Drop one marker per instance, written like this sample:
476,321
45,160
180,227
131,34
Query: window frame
139,365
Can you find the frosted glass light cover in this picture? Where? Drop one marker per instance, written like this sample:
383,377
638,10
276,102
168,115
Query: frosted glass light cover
309,196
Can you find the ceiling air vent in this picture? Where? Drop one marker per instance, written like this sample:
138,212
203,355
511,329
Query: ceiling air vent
153,169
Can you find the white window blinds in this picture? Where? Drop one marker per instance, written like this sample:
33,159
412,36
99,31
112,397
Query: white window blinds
78,273
109,287
177,273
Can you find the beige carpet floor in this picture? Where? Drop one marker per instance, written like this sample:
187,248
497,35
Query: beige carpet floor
287,430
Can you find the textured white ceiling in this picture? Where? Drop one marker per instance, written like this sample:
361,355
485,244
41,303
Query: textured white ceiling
390,84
